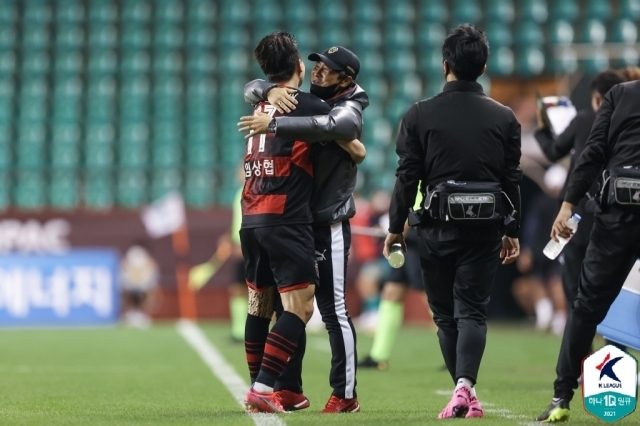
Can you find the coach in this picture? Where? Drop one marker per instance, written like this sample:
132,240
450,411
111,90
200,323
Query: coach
465,148
614,243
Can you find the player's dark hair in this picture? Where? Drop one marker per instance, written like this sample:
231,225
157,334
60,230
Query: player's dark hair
466,51
604,81
278,56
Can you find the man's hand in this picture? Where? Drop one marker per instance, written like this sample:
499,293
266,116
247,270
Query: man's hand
510,250
281,99
254,124
200,274
391,240
560,228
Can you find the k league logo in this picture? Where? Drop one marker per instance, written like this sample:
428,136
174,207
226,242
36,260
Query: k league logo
610,383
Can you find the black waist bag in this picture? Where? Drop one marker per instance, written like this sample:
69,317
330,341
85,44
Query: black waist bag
622,189
467,203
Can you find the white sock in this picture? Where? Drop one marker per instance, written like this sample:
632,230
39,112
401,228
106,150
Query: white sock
544,313
473,392
464,382
558,323
261,388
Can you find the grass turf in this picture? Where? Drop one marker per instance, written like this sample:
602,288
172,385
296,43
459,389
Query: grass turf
128,377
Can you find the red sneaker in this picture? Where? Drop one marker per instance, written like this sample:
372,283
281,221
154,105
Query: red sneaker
341,405
262,402
292,401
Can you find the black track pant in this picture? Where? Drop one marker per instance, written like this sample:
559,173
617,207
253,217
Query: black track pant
458,276
572,257
612,251
332,243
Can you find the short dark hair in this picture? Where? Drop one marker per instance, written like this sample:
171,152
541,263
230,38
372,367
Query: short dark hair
466,51
604,81
278,56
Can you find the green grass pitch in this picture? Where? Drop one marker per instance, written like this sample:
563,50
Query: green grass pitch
128,377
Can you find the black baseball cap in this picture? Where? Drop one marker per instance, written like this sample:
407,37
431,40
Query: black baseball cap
339,58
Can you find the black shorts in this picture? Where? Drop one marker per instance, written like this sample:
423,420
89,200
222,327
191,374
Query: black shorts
281,256
238,271
408,274
543,267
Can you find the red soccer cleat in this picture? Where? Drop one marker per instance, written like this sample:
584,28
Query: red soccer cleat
459,404
292,401
262,402
341,405
475,409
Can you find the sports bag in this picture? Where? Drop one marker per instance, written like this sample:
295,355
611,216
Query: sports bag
465,204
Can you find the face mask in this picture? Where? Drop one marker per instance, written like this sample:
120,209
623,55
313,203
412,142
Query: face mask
324,92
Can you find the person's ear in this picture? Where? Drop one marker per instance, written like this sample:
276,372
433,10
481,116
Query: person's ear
445,68
346,82
483,70
596,101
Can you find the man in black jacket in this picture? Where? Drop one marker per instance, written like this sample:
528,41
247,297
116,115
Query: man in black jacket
460,136
332,205
573,139
614,244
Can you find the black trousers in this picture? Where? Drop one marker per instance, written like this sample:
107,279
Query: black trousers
332,244
612,251
458,276
572,257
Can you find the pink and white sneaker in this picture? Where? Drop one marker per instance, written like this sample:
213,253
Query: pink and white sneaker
459,404
475,409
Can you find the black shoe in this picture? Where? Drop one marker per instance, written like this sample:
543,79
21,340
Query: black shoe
557,411
369,362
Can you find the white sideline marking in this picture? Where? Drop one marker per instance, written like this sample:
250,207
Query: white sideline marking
220,368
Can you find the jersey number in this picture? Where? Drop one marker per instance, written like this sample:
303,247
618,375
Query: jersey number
270,110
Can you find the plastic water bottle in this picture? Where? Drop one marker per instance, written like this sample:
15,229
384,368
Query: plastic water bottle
396,257
553,249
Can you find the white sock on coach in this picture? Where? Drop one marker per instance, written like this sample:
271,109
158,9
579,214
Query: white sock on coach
464,382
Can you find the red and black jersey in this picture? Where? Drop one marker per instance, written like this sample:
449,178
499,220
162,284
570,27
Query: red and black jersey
279,172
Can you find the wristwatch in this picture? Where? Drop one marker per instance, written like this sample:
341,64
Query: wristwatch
273,126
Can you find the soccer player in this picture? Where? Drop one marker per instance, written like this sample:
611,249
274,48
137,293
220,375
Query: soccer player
332,205
276,234
200,274
391,310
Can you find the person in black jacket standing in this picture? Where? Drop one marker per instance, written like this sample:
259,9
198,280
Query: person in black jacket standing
573,139
614,244
459,137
